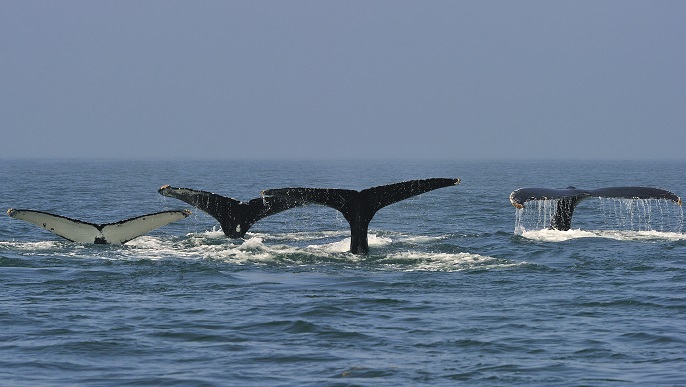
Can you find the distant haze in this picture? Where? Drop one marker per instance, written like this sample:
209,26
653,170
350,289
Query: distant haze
343,79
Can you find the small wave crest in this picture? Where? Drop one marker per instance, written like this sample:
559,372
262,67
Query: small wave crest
431,261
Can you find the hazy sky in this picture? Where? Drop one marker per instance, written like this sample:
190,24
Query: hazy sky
343,79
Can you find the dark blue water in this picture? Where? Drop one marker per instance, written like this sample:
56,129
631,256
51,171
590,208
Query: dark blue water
449,293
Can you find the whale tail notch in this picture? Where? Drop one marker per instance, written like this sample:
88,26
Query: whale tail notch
234,216
567,199
359,207
83,232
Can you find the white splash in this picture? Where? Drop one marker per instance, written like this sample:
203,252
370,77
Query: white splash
334,247
642,214
548,235
276,249
30,246
561,236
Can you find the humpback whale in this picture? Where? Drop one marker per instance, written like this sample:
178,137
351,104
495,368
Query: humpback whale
235,217
359,207
84,232
568,198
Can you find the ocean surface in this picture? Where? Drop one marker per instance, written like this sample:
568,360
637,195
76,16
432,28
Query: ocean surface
458,286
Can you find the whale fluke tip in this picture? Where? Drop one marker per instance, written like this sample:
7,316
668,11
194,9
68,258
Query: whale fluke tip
186,213
678,200
11,212
515,201
457,181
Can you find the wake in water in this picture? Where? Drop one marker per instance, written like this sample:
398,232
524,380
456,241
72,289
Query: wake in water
290,249
612,218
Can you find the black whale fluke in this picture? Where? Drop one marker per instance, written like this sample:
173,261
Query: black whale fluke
568,199
234,216
359,207
84,232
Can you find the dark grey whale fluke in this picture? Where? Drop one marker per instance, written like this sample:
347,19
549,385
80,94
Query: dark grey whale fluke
84,232
235,217
359,207
568,199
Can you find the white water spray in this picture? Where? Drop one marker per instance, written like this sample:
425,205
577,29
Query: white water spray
606,214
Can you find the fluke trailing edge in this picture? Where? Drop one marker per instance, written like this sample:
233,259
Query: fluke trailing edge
568,199
359,207
84,232
235,217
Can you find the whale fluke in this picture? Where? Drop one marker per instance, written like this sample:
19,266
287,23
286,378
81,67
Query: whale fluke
84,232
359,207
568,199
235,217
